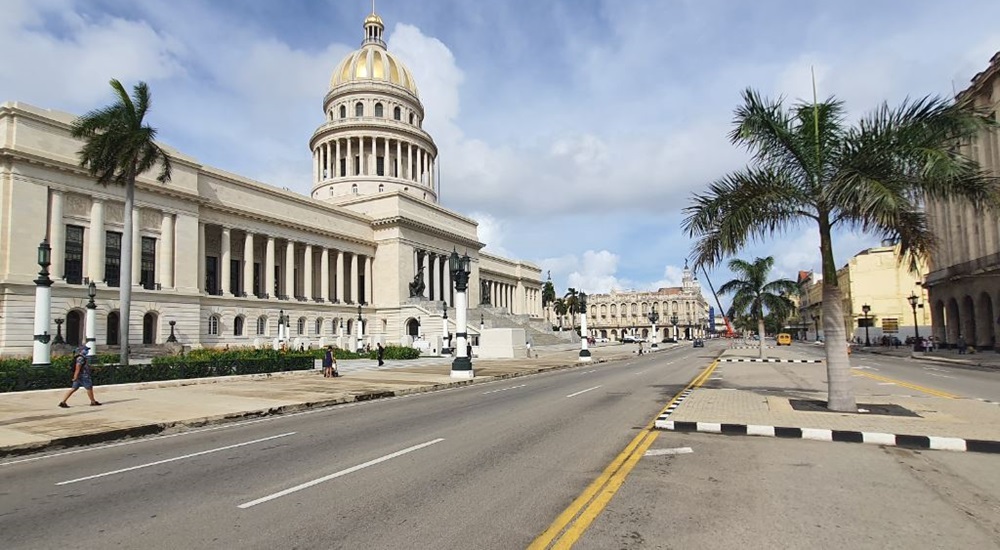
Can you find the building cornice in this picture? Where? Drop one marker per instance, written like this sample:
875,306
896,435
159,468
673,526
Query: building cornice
404,222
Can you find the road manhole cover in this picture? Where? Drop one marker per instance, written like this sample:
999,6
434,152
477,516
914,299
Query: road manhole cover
884,409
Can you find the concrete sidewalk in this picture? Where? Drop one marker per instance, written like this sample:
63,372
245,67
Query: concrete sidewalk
31,421
981,359
757,398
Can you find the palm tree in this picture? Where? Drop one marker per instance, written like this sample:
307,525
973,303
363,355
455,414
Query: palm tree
560,309
810,167
753,293
118,147
572,299
548,296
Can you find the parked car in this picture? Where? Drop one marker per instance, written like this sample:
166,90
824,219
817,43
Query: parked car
699,343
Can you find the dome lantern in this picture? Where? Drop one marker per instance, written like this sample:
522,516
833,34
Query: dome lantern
374,28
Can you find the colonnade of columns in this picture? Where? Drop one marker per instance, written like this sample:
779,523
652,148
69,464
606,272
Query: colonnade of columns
436,276
359,156
285,269
516,298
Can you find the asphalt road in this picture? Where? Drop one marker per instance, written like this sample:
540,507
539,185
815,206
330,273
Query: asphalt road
483,466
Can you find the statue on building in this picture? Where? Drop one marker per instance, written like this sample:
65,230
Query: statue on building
417,285
484,293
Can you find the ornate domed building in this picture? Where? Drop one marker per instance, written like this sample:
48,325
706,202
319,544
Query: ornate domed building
220,259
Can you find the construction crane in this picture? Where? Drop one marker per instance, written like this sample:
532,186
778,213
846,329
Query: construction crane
730,333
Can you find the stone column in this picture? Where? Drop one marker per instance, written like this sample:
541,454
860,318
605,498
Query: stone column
307,273
354,278
369,283
447,285
350,158
339,283
269,267
432,291
167,251
399,159
289,289
409,164
201,257
336,160
136,246
95,242
426,264
248,263
57,235
225,255
324,274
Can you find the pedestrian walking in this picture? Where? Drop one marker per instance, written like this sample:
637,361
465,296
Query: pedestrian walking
328,361
380,354
961,345
81,377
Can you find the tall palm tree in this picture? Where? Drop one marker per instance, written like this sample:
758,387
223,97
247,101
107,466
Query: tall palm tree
560,309
810,166
548,296
572,299
118,147
754,296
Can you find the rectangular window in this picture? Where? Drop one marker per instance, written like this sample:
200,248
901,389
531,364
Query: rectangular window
147,267
380,166
211,275
357,165
277,281
234,277
256,280
73,256
112,258
343,167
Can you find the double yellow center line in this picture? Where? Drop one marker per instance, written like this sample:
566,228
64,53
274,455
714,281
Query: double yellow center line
574,520
924,389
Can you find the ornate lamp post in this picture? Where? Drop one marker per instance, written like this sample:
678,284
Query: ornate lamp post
361,329
460,269
584,340
41,353
914,299
445,347
673,321
482,323
91,322
281,325
654,337
172,338
815,319
865,309
59,337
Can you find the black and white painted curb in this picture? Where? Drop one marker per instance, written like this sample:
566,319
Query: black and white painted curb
816,434
673,406
748,360
751,347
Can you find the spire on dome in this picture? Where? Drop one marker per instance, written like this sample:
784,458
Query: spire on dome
374,28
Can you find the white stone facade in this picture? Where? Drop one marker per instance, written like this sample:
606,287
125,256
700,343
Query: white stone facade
221,255
964,278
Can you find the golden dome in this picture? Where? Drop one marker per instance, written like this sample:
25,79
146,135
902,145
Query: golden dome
374,19
373,63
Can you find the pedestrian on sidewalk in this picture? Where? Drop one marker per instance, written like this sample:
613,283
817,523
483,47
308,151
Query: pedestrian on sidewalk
380,354
961,345
328,361
81,377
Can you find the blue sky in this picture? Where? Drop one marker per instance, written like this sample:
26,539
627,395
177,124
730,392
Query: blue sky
573,130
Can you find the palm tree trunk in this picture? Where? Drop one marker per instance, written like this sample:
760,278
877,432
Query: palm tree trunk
760,333
840,388
125,273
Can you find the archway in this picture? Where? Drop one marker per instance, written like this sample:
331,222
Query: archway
149,328
938,322
74,327
969,321
984,323
412,328
953,324
113,327
614,335
645,333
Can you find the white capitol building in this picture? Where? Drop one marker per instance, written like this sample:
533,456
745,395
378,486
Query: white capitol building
220,255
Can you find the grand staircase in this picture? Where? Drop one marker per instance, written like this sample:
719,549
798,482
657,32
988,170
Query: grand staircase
538,331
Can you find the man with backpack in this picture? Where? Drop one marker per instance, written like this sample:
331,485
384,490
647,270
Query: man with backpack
81,377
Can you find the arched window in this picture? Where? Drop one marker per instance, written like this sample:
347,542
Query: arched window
343,111
378,110
381,188
397,113
261,325
319,325
354,189
614,310
238,326
359,109
213,325
302,325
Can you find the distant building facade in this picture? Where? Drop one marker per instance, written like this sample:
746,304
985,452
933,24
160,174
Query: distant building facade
618,314
964,280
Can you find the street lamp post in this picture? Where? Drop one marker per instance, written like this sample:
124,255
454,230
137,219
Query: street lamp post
815,319
361,330
673,321
913,299
866,308
172,338
281,326
461,366
445,344
91,323
654,338
41,353
584,340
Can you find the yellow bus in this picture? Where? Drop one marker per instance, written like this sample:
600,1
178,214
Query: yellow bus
784,339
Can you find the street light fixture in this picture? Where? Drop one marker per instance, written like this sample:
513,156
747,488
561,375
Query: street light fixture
913,299
460,267
361,330
584,340
815,319
673,321
653,318
41,353
866,308
91,322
